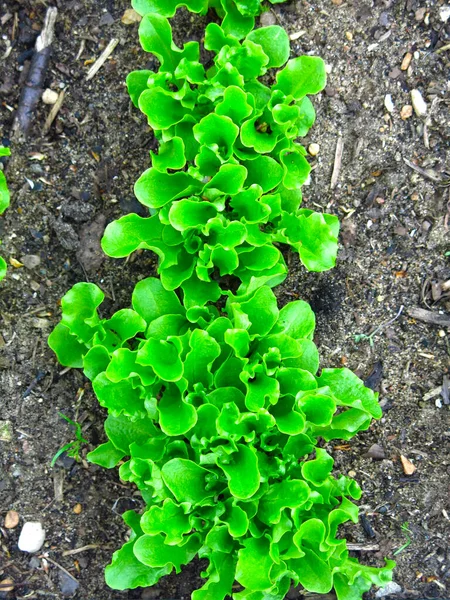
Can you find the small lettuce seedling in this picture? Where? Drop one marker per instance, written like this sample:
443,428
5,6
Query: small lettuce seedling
218,417
225,187
238,16
4,203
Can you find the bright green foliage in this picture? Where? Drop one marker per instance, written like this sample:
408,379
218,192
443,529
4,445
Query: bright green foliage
4,203
225,187
238,15
220,417
216,418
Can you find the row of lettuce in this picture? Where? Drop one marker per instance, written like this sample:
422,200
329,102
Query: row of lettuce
217,411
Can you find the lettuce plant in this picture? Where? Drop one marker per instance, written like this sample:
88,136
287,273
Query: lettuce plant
238,16
4,203
224,189
217,418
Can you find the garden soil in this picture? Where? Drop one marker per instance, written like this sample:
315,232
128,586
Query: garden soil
68,183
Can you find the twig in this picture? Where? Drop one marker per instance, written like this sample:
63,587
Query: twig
59,566
102,59
55,110
64,371
432,393
427,173
429,316
363,547
442,49
445,394
82,549
337,162
32,89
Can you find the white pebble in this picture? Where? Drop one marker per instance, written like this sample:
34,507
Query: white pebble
388,103
444,13
49,96
419,104
313,149
390,588
32,537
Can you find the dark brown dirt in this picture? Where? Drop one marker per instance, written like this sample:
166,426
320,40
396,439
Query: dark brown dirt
394,239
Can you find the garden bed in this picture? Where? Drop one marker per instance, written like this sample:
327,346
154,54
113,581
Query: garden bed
67,184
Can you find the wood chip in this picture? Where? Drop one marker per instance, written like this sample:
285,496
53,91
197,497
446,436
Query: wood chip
432,394
337,163
296,35
11,519
58,484
406,61
6,585
408,467
429,316
419,104
15,263
102,59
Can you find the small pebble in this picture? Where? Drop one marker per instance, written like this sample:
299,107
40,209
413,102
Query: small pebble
49,96
444,13
395,73
106,19
314,149
150,593
77,508
406,61
34,563
68,585
419,104
376,452
420,14
406,112
267,18
32,537
390,588
388,103
130,16
352,474
31,261
11,519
